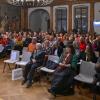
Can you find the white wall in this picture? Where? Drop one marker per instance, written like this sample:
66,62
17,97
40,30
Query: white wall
97,17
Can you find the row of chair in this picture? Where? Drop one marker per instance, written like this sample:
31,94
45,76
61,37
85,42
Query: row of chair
87,69
15,59
25,58
86,73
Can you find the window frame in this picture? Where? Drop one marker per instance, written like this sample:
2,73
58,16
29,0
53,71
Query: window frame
61,19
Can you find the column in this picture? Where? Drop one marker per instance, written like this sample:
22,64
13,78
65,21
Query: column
91,17
24,18
51,18
70,18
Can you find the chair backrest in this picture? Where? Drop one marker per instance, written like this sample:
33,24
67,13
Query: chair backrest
96,54
54,58
62,55
55,53
14,55
26,56
87,69
1,48
24,49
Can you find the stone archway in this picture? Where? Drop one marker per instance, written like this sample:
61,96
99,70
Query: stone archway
39,20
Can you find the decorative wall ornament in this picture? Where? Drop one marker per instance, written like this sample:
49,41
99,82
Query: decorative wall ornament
30,3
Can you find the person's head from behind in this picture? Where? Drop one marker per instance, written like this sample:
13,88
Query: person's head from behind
60,44
38,46
71,37
47,37
90,37
34,40
75,35
98,38
87,39
46,43
51,37
35,34
28,36
67,37
57,35
61,34
89,48
82,39
98,63
70,49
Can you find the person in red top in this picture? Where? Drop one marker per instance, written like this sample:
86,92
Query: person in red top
82,47
32,45
1,40
82,44
5,41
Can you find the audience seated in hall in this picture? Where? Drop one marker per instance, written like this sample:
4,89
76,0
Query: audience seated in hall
70,47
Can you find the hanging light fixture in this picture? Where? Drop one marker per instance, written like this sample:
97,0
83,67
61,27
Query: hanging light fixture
30,3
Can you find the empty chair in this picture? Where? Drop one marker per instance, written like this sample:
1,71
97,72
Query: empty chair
24,50
14,57
25,59
97,54
87,72
1,51
1,48
52,63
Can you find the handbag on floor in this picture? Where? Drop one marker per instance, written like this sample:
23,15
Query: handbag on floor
17,74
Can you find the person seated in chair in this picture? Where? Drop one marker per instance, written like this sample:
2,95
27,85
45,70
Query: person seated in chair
64,74
36,61
96,80
32,45
97,76
90,55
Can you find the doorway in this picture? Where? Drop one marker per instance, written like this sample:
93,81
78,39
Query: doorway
39,21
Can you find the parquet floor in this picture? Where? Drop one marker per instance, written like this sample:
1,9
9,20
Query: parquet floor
13,90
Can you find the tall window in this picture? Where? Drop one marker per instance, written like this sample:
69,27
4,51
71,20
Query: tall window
81,19
61,19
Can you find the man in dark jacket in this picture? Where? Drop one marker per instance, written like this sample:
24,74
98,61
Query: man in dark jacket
97,76
27,41
36,60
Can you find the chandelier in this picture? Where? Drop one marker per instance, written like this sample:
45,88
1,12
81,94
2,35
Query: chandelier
30,3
